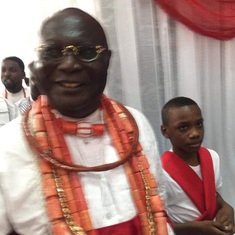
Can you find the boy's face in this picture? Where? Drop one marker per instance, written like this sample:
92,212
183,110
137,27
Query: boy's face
185,130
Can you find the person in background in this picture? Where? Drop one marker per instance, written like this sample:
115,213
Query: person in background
12,77
79,162
193,185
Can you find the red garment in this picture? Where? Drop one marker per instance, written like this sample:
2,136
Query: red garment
201,192
131,227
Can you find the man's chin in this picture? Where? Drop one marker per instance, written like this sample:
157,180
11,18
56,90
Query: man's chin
9,86
75,110
9,83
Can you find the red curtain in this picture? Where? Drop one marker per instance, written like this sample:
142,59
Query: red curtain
213,18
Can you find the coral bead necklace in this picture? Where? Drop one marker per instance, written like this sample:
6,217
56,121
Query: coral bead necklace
65,201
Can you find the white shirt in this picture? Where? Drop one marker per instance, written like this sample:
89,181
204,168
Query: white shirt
17,98
180,208
107,193
8,111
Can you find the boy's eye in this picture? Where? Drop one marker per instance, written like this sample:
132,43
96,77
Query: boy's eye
183,128
200,124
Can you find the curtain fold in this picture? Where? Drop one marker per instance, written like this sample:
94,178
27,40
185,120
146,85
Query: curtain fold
213,18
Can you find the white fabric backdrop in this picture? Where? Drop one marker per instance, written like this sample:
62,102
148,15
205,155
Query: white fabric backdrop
154,59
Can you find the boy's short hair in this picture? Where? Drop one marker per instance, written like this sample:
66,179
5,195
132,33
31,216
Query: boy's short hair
176,102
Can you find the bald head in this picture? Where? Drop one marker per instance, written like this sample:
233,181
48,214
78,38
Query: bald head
73,22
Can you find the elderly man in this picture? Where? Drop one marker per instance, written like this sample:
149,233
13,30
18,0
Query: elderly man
78,162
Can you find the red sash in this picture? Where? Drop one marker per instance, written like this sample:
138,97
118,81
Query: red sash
130,227
201,192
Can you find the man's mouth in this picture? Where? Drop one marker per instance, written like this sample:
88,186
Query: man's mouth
8,83
70,84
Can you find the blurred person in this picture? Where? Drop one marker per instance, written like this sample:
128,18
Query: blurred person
79,162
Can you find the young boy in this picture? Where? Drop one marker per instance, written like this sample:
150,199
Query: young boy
193,174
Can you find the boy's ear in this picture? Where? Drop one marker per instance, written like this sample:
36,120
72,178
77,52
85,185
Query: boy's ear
164,131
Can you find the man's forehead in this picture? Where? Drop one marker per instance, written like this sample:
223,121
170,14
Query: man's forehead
10,63
69,23
72,31
72,26
66,19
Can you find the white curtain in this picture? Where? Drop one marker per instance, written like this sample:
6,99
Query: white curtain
154,58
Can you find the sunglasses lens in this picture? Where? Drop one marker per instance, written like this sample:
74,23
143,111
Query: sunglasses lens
53,53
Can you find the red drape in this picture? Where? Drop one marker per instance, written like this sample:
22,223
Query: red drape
213,18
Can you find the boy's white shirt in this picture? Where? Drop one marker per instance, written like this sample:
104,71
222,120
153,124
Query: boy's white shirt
180,208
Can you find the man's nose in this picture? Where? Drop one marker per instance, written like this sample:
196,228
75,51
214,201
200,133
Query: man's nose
70,63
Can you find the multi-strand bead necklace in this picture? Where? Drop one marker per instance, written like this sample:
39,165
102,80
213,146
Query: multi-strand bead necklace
65,201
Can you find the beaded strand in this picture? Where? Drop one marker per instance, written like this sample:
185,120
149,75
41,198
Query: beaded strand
62,188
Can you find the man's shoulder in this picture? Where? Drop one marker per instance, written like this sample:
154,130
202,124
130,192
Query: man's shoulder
2,91
8,111
11,128
138,115
12,137
3,105
2,100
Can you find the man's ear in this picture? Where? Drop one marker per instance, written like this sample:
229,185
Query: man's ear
164,131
